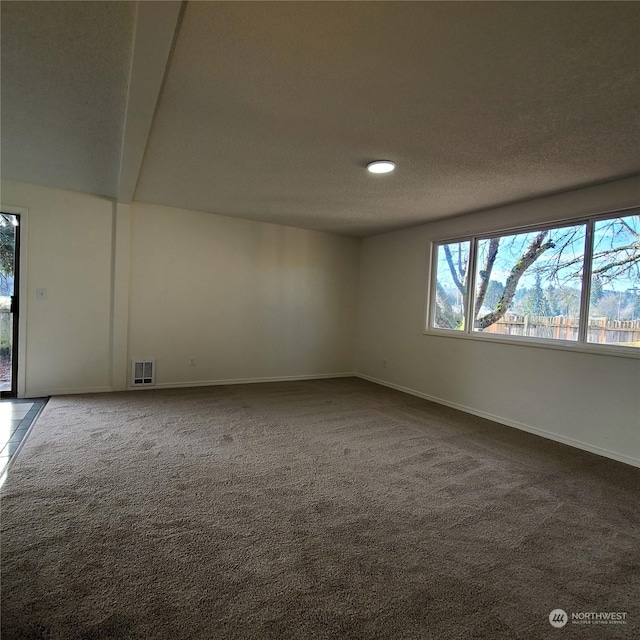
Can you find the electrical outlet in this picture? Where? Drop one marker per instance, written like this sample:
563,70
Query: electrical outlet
384,364
192,362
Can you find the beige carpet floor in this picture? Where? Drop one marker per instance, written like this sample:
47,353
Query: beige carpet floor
321,509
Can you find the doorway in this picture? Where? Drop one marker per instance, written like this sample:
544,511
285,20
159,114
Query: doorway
9,307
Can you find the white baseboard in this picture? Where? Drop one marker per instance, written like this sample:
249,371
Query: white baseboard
215,383
43,393
510,423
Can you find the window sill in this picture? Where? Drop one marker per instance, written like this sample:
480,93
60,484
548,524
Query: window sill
540,343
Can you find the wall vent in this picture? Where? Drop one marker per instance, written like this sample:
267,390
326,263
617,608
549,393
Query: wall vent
143,373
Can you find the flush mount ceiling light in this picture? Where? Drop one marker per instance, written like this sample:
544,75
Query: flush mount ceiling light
381,166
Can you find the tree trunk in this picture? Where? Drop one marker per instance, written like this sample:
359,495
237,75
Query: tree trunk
485,275
533,252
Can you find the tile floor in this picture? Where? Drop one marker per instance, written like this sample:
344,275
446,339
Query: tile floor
16,419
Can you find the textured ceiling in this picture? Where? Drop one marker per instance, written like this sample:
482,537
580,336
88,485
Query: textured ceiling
65,69
270,111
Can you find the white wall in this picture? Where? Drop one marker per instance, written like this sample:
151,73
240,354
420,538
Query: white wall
68,253
251,300
247,300
591,401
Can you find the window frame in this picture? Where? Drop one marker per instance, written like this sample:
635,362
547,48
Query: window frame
468,333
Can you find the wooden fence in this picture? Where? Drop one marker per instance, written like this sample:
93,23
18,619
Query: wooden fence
600,330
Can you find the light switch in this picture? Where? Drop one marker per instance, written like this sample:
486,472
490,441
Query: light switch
41,294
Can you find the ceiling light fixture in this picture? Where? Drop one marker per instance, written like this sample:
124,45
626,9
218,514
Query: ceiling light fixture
381,166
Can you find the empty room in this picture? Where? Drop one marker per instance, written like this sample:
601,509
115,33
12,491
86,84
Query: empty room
320,320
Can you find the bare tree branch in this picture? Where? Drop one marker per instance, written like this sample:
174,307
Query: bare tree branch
485,274
630,260
557,266
533,252
628,227
454,273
